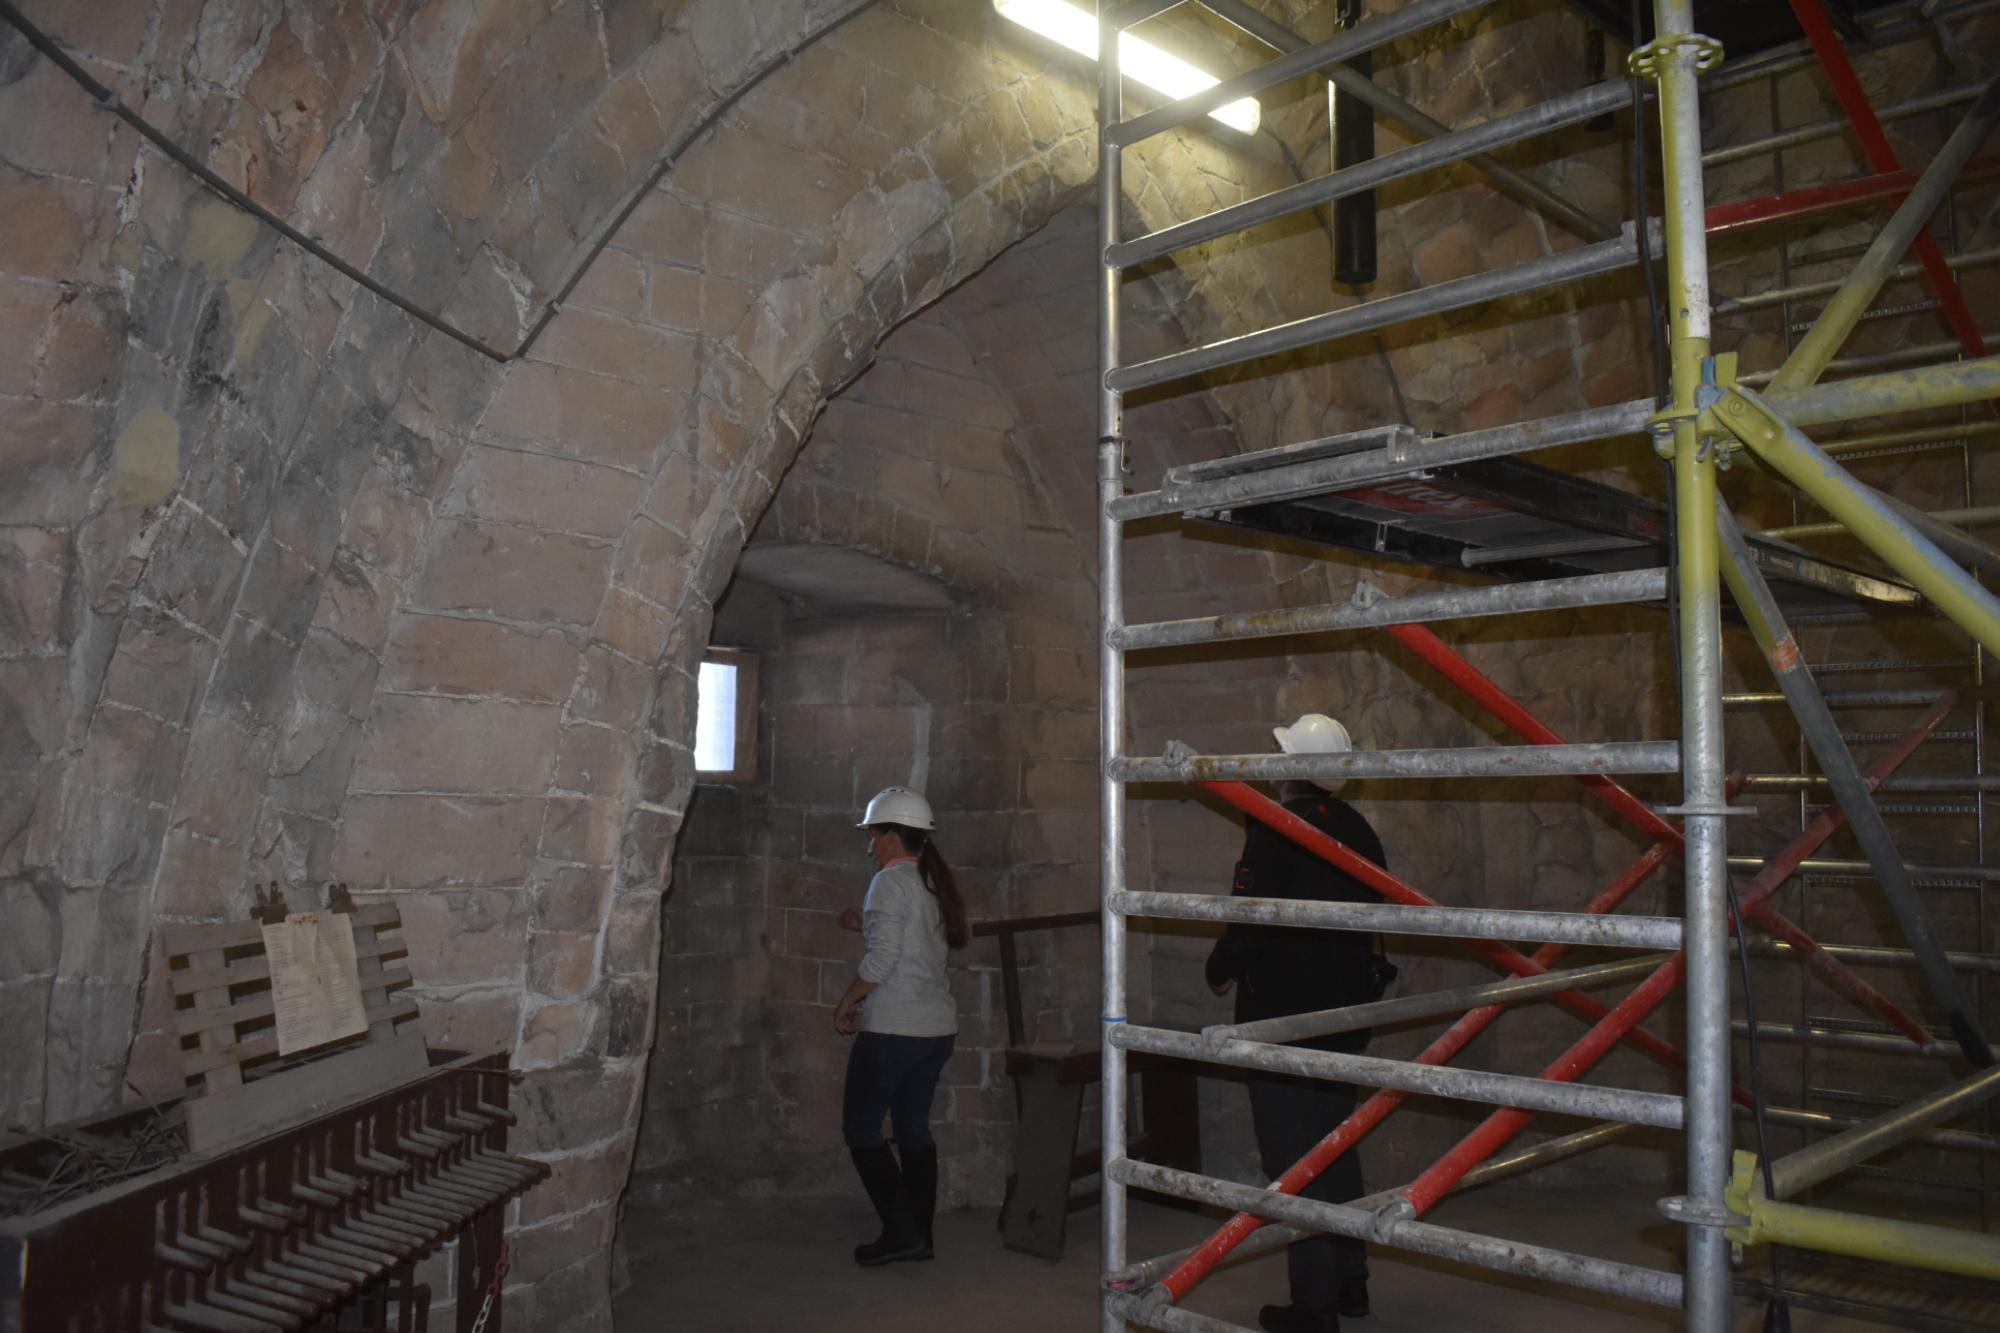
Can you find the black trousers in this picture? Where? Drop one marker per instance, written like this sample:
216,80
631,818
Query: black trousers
1290,1115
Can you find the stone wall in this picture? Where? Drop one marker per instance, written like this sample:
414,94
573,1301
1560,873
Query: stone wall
297,587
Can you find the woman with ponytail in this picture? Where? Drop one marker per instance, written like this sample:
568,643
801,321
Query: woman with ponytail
904,1019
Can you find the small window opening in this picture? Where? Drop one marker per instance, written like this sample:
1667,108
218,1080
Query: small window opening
725,719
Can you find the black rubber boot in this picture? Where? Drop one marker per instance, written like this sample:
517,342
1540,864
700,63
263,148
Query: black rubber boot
884,1183
920,1185
1293,1319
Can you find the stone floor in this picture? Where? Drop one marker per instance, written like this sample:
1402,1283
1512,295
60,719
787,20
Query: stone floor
767,1265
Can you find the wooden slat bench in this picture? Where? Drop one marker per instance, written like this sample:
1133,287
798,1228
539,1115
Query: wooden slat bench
1049,1083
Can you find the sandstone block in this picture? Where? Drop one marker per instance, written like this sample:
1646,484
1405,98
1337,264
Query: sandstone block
574,412
410,841
570,898
555,494
453,655
612,690
632,937
581,829
554,1033
52,460
464,937
580,1179
480,1023
428,743
604,345
561,966
514,572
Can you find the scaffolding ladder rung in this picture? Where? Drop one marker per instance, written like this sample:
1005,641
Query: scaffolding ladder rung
1475,289
1402,457
1542,118
1178,763
1595,929
1629,1105
1370,610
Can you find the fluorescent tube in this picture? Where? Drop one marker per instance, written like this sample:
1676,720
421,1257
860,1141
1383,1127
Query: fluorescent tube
1076,27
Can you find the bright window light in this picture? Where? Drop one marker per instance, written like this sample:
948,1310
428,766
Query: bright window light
715,718
1076,28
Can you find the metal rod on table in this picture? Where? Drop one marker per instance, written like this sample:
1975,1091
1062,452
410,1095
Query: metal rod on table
1905,698
1355,84
1658,1109
1507,1256
1530,275
1370,610
1800,1171
1542,118
1468,923
1760,610
1115,1101
1806,291
1177,763
1413,17
1881,527
1457,1000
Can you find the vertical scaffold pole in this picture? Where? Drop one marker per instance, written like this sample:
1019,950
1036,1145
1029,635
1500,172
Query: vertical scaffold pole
1111,666
1676,55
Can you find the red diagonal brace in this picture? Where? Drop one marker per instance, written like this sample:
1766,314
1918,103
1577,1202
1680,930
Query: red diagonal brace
1573,1063
1490,696
1379,1106
1882,156
1262,808
1812,200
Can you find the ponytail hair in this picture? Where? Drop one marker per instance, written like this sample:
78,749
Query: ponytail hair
939,880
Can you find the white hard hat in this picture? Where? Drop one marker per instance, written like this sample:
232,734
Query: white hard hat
1315,733
898,805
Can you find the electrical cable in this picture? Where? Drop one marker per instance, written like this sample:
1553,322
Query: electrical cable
1777,1310
109,100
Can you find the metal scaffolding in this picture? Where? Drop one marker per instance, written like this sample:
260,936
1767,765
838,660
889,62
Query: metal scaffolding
1709,415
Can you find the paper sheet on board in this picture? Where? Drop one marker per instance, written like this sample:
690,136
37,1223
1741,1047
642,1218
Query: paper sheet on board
315,983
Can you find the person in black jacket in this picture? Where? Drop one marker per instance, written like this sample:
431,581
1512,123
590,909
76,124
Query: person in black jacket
1275,971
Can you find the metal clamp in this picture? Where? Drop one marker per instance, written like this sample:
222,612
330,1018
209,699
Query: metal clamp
1692,1212
1649,60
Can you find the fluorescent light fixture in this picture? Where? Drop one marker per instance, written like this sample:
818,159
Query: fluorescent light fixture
1076,27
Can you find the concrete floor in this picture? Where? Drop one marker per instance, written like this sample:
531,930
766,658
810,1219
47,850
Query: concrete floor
752,1267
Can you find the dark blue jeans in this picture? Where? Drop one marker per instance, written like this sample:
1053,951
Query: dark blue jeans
893,1076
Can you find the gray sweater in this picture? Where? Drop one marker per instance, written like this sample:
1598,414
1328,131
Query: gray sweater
906,958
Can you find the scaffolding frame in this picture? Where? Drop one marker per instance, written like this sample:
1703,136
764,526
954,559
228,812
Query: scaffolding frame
1710,414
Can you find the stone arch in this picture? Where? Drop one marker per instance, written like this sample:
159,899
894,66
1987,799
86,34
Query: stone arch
365,518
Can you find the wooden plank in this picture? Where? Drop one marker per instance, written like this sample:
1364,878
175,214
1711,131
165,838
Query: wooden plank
266,1043
189,1022
196,938
226,1120
217,1069
373,984
1036,1212
193,980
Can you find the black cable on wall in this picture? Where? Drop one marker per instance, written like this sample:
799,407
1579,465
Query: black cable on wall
109,100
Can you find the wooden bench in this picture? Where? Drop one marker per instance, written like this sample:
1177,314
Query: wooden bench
1049,1083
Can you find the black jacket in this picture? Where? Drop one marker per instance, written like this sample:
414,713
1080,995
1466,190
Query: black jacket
1294,970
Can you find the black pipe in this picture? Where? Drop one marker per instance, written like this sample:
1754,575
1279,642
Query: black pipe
1351,125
